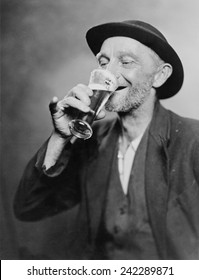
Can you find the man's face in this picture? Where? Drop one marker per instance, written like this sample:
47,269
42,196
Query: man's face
134,66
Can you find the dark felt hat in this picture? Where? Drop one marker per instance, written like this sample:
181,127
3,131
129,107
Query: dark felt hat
150,37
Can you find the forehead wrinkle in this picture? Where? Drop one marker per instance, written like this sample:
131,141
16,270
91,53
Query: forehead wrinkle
121,42
121,46
119,54
118,47
128,53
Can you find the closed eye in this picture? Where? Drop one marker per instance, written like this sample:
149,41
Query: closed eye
102,64
120,87
127,63
102,60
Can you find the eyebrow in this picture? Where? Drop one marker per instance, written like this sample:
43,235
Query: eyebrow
120,54
99,55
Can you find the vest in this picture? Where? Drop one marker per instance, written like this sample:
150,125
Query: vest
125,231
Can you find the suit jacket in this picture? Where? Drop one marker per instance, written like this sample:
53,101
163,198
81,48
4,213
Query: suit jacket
82,172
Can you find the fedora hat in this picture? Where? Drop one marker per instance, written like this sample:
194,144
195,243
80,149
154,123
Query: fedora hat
150,37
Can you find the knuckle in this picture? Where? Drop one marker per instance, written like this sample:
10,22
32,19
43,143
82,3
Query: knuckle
68,101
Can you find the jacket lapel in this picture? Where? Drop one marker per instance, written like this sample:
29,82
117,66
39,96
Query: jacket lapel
98,172
157,175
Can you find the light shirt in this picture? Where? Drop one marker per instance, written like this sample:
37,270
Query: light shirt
125,162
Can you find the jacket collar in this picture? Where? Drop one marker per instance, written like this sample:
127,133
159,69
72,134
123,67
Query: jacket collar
157,175
160,125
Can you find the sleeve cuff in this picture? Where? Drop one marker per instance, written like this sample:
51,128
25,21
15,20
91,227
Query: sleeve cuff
61,163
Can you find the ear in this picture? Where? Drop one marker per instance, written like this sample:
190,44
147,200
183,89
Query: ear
162,75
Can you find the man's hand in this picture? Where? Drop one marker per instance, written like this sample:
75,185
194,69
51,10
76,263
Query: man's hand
67,109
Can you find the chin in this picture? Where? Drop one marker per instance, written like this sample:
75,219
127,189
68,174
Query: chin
118,108
122,104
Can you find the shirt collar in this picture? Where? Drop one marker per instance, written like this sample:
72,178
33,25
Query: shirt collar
134,143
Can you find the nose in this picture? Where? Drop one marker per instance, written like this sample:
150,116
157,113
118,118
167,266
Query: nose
113,68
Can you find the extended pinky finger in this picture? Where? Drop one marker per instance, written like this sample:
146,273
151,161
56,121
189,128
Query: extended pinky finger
53,105
56,110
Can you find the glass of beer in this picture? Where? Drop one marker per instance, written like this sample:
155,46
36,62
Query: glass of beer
103,83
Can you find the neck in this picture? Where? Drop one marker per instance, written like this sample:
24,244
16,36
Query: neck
134,123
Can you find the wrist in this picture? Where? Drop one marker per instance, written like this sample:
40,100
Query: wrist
55,147
59,136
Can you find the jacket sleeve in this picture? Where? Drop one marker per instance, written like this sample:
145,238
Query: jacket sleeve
196,162
44,193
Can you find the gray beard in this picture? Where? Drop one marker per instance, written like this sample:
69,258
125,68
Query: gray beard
131,101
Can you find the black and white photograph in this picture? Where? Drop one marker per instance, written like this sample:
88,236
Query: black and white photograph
99,130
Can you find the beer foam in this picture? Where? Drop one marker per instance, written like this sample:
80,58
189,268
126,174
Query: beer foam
102,79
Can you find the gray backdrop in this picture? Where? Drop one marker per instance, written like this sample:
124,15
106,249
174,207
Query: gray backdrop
44,53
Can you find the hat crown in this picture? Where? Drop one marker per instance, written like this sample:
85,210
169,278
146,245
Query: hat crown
147,27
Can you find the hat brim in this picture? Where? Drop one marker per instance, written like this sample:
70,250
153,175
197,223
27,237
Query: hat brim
98,34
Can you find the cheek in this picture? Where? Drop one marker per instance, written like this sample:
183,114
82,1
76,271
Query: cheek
131,76
140,78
